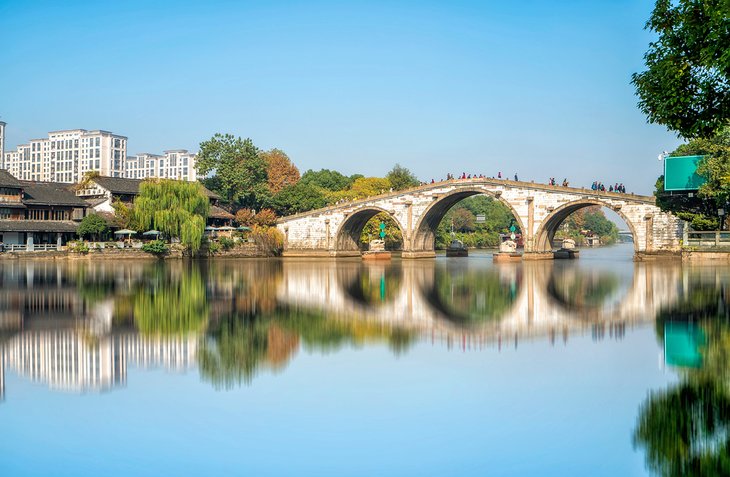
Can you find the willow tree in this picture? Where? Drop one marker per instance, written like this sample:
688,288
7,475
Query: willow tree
176,208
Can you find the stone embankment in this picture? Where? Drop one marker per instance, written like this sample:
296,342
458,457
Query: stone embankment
242,250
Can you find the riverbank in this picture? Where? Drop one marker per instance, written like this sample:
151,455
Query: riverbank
242,250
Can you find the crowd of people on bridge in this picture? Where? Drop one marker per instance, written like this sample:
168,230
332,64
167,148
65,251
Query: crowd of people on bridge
596,186
617,187
553,182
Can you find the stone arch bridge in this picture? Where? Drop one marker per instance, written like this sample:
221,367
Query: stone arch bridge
538,209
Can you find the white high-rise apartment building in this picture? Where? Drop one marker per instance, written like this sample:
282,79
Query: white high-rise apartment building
2,143
174,164
66,156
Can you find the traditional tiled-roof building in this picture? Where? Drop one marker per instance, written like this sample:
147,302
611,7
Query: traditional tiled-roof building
35,213
101,192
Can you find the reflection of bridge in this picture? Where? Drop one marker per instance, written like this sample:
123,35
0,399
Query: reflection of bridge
538,209
537,308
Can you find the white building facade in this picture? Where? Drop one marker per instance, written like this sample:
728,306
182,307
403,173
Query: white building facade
66,156
174,164
2,143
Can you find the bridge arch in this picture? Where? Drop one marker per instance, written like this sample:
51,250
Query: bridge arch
347,237
549,226
424,235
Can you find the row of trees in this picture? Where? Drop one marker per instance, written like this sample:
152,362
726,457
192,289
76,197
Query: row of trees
686,88
249,178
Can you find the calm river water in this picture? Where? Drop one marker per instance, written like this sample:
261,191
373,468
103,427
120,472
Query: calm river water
597,366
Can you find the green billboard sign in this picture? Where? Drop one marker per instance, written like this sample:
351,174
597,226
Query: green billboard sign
680,173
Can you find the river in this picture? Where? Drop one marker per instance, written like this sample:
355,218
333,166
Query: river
454,366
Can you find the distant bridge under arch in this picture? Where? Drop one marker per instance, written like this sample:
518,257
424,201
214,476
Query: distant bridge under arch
539,210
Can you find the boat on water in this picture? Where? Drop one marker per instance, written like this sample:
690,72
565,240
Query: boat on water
457,249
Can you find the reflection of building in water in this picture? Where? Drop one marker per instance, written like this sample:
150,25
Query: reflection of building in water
72,361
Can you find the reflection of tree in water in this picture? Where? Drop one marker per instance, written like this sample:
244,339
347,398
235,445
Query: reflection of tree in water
375,284
686,428
171,301
471,296
238,347
576,288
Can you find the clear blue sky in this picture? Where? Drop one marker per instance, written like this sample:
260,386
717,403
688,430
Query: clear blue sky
535,87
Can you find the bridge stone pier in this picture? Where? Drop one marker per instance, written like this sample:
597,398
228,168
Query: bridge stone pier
539,210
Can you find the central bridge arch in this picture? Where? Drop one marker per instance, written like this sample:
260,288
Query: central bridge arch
424,236
347,237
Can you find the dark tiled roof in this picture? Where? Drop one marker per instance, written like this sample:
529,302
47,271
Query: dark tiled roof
50,193
219,213
38,226
12,205
121,185
9,180
95,202
118,185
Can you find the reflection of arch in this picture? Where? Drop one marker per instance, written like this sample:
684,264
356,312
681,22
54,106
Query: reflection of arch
425,233
500,294
348,234
573,288
548,227
373,284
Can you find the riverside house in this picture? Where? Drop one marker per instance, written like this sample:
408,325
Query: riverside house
37,215
101,192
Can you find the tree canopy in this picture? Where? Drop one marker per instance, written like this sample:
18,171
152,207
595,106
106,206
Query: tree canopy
686,86
239,170
701,209
280,170
299,197
175,208
93,225
327,179
401,178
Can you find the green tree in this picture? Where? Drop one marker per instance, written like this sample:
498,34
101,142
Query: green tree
240,171
176,208
401,178
364,187
299,197
94,226
497,219
686,86
326,179
701,210
463,220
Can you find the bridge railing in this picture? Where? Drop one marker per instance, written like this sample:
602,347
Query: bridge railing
709,239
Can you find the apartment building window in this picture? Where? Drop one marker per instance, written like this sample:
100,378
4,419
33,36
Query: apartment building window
97,154
98,141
